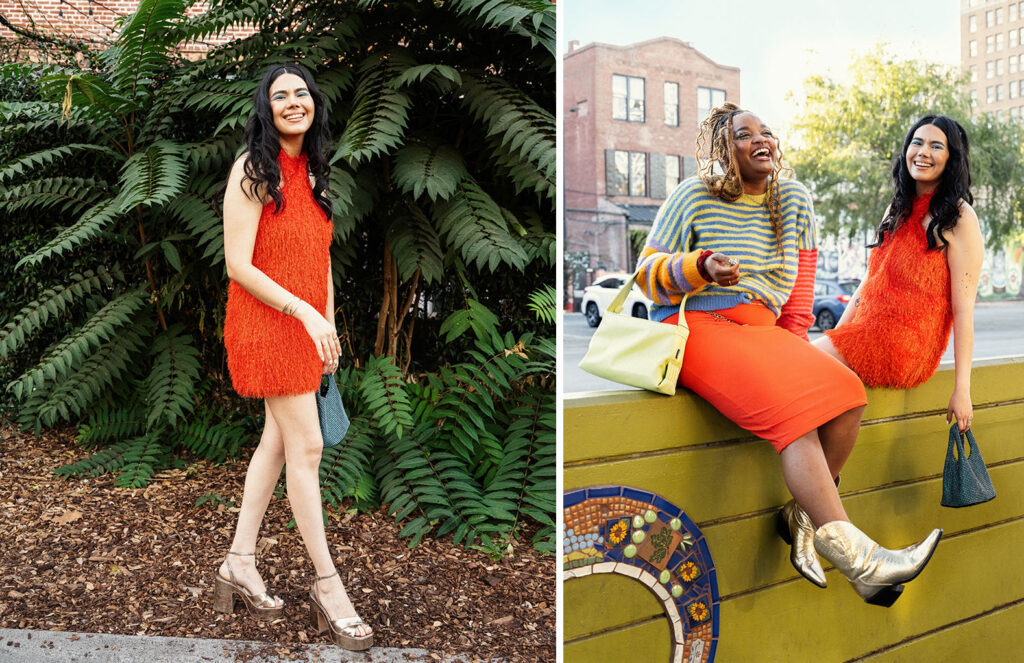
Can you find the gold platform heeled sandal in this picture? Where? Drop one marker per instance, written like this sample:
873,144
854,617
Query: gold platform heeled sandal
343,631
262,606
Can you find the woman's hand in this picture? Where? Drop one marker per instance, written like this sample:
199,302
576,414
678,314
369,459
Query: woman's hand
960,407
722,269
323,333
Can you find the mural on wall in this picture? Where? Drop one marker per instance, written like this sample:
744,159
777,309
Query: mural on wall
618,529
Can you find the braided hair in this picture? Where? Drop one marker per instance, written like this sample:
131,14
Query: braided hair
715,146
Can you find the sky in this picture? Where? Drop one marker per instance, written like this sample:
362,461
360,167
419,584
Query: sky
776,43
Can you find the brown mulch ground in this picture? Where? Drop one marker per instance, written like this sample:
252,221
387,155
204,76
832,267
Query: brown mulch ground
82,555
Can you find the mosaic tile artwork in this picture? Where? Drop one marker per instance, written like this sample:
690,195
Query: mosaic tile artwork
618,529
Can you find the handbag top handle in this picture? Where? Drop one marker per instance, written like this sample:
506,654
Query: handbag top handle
620,299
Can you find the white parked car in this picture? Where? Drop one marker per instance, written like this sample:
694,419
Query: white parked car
597,297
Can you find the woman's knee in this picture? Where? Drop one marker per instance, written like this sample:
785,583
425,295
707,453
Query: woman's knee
303,450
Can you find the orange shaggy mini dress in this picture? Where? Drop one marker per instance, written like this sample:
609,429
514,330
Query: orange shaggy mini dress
901,327
270,353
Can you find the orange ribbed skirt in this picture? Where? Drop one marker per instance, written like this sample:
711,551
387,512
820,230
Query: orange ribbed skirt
762,377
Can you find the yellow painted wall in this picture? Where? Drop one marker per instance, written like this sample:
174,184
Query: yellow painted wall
969,600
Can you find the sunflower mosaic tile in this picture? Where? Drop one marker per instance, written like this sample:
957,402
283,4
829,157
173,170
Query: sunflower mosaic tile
618,529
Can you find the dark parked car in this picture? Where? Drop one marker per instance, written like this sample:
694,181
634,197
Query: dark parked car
830,300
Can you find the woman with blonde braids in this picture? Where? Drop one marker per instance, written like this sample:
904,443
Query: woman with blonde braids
740,244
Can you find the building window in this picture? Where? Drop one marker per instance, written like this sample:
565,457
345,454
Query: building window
990,18
1013,64
1000,92
1014,38
1013,12
627,98
972,47
1014,112
708,98
990,94
999,16
671,172
990,44
972,23
1013,91
999,67
999,41
990,69
974,73
974,97
625,173
672,104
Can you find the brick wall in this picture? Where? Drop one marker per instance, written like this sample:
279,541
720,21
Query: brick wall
93,21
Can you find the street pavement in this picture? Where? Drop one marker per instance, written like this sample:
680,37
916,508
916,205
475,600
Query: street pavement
22,646
998,332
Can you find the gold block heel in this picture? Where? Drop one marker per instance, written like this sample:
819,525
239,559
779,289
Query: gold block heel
262,606
223,596
342,630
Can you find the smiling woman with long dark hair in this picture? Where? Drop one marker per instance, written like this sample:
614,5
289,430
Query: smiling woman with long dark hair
280,336
923,273
739,243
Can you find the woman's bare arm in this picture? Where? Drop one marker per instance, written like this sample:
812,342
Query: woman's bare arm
964,255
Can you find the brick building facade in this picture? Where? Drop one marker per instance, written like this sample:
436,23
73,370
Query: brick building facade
992,52
94,21
630,118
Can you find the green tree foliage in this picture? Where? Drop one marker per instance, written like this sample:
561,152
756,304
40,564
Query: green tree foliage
847,134
112,177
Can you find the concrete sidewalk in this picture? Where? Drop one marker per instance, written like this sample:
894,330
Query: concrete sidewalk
21,646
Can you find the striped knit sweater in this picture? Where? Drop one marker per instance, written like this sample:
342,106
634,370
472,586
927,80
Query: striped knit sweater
692,220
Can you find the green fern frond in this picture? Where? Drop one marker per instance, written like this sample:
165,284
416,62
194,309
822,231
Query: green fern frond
416,245
524,128
212,436
203,223
475,316
543,303
110,423
432,169
153,177
442,77
473,224
47,157
144,456
52,303
534,20
104,461
380,114
67,195
170,386
383,393
93,100
77,346
105,367
142,48
88,226
343,466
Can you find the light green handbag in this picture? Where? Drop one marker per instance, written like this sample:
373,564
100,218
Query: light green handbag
637,352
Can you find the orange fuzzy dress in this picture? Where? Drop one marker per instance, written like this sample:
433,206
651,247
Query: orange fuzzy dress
901,327
270,353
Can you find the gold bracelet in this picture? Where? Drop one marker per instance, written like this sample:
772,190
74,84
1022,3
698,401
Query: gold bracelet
289,308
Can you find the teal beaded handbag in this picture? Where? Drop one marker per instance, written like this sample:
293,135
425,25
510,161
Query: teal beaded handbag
331,412
965,479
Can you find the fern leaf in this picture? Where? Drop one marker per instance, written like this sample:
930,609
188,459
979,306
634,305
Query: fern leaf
51,304
543,304
473,224
143,457
383,393
74,348
214,440
67,195
104,461
475,316
142,47
170,386
110,423
435,170
88,226
416,245
153,177
380,114
47,157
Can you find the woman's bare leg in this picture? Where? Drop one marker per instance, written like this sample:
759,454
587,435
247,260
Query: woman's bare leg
303,446
260,479
839,435
810,481
824,343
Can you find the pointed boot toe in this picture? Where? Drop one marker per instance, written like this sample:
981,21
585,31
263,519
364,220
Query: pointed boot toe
796,529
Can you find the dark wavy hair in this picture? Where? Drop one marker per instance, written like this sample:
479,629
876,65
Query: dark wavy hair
261,138
954,185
